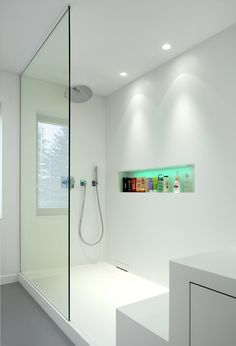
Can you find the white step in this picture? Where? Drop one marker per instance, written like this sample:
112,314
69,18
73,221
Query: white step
148,319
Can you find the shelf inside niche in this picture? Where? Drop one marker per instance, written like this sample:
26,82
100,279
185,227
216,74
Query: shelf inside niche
186,174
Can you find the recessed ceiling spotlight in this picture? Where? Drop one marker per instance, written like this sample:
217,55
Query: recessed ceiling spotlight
166,46
123,74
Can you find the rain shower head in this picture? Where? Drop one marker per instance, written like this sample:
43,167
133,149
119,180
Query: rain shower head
79,93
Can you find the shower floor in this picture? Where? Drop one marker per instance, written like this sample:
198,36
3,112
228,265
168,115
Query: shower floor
97,290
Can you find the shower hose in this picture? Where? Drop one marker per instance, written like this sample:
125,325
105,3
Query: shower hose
95,184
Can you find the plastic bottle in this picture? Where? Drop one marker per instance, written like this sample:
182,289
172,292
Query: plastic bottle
134,182
125,184
160,183
143,184
146,185
166,183
129,184
176,184
155,184
138,185
150,185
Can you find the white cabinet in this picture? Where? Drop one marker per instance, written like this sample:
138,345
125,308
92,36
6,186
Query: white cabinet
212,318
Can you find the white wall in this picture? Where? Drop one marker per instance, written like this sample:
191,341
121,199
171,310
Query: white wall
183,112
9,224
88,132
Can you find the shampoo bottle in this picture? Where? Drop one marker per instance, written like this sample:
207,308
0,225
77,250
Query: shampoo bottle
138,185
143,184
150,184
155,184
160,183
176,184
134,182
129,184
125,184
166,183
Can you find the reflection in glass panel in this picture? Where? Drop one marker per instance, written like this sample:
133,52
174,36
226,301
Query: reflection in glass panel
45,168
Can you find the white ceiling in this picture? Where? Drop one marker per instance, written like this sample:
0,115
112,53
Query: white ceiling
110,36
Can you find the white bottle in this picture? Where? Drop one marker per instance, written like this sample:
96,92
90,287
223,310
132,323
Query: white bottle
177,184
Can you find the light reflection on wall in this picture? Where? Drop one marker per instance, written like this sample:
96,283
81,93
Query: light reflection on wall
175,118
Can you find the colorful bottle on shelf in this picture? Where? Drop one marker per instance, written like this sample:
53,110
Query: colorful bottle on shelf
138,185
143,185
166,184
146,185
160,183
129,184
134,182
125,184
177,184
155,184
150,185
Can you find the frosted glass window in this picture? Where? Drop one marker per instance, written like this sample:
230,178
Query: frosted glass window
52,172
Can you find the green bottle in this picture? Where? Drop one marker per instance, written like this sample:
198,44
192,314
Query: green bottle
154,184
160,183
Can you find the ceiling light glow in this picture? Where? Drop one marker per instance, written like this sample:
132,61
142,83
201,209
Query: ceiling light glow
166,46
123,74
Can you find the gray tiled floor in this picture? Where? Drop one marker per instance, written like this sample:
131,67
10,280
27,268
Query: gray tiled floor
24,323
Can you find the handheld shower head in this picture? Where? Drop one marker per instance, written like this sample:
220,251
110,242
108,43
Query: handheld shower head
95,180
96,173
95,184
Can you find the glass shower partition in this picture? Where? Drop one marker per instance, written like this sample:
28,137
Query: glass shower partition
45,168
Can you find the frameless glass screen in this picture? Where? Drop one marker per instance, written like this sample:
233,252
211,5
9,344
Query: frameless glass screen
45,168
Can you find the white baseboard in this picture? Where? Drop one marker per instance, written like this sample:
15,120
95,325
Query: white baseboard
9,279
